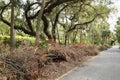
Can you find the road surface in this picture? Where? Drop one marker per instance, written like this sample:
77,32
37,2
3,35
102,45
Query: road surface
105,66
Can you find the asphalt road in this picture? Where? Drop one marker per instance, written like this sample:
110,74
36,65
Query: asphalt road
105,66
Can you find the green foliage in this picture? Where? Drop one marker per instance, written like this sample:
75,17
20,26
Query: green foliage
118,30
18,38
4,29
118,33
81,12
106,33
44,45
4,38
1,70
118,22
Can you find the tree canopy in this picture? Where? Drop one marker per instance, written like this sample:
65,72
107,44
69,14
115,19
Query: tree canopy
118,30
71,14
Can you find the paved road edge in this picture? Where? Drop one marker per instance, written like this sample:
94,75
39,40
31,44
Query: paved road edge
66,73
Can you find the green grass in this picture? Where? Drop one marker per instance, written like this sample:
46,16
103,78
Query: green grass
28,39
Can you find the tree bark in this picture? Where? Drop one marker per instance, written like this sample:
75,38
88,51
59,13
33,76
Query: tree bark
66,38
80,36
12,32
74,36
38,23
58,35
46,25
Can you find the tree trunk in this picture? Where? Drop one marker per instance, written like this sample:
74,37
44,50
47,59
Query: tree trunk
12,33
66,38
74,36
93,37
103,41
80,36
46,26
38,23
58,35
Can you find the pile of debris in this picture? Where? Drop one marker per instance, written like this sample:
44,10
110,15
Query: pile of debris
32,63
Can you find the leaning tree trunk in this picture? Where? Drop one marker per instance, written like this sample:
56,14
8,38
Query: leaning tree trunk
46,26
12,33
38,23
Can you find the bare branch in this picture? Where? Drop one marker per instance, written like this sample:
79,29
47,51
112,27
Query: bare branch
1,13
76,25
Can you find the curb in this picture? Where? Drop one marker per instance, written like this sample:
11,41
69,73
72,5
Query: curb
66,73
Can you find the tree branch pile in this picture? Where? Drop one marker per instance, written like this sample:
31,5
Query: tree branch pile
31,63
